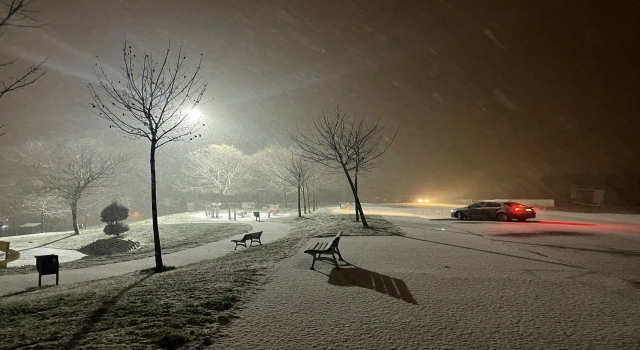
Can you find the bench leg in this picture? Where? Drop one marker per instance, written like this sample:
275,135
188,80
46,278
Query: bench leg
313,262
339,255
335,262
39,280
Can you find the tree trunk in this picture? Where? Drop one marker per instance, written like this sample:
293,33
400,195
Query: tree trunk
299,209
42,222
285,200
357,200
74,216
304,200
309,199
356,186
154,208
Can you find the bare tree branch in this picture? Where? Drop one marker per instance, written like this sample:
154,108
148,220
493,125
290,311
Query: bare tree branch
15,13
151,100
345,144
85,166
294,174
219,169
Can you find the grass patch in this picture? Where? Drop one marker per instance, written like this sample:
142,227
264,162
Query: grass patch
185,308
177,232
327,222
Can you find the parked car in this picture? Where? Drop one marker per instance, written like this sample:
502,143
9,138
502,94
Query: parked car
501,211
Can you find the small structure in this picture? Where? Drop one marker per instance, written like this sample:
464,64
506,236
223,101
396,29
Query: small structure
248,205
47,265
30,226
4,247
257,215
273,209
591,195
9,254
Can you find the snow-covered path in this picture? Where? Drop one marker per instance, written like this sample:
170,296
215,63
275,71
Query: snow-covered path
434,289
17,283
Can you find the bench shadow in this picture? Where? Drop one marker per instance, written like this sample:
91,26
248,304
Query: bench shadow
353,276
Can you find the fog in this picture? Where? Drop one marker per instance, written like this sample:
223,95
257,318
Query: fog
492,100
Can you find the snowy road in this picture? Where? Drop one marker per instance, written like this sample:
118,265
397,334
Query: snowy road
607,244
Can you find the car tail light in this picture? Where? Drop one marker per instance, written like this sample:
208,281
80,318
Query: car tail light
518,209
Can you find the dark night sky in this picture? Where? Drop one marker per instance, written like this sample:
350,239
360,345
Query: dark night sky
492,95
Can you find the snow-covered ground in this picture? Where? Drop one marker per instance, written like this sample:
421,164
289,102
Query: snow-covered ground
441,289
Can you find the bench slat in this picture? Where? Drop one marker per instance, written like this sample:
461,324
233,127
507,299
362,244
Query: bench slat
318,247
313,246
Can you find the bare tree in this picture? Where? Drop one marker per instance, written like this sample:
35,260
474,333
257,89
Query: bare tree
346,144
93,203
16,13
84,167
295,171
46,203
315,180
219,169
268,171
151,100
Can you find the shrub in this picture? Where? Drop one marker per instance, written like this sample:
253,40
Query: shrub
113,214
116,228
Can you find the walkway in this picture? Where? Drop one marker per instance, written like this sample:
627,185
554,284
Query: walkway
17,283
435,289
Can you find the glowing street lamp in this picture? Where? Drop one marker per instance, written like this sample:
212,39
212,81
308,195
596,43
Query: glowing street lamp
194,114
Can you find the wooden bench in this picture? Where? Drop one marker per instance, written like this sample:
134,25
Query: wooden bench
251,237
318,248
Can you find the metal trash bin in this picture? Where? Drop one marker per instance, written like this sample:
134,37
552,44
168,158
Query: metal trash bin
257,215
47,265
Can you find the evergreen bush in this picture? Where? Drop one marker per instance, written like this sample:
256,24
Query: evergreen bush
113,214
